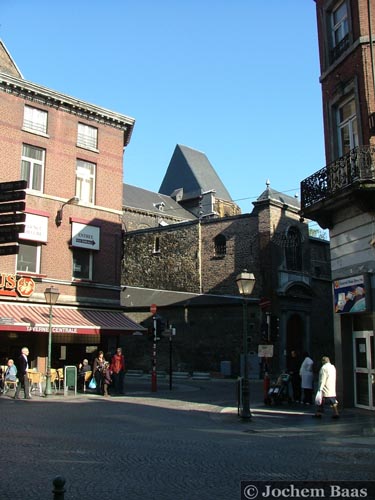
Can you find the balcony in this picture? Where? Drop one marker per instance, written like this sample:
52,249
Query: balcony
349,179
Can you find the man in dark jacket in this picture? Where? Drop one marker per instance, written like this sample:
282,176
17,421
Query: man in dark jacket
23,366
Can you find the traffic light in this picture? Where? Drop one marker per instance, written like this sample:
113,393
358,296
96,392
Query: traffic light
160,326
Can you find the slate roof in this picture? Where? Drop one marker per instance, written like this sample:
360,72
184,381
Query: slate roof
191,170
270,194
141,199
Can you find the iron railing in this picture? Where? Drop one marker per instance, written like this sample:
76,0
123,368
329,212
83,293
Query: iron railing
356,166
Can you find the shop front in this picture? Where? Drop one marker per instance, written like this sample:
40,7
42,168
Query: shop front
77,333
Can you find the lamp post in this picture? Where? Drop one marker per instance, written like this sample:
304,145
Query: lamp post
245,282
51,295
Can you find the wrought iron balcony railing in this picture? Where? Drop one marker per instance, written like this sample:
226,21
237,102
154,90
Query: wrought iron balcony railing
355,167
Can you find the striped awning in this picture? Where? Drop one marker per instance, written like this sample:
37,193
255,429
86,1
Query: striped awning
65,320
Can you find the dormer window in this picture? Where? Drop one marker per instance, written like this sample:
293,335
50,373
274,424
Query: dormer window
160,206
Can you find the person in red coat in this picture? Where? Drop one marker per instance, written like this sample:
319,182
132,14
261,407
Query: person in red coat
118,371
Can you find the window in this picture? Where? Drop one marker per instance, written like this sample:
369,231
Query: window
220,243
156,245
28,258
347,127
87,136
85,181
32,166
35,120
339,24
293,250
339,31
82,264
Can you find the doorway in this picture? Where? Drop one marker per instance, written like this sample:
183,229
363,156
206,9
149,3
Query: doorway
364,370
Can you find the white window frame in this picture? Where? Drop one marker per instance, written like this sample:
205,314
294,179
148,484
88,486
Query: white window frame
339,25
33,164
347,126
25,268
85,181
87,137
35,120
89,254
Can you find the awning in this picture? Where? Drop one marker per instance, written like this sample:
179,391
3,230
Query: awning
65,320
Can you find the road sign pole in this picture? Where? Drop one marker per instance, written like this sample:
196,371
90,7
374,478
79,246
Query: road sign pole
153,373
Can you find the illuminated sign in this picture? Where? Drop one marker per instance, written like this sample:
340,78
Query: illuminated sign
11,285
350,295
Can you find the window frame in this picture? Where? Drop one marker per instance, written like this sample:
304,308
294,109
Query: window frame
33,162
220,246
38,254
349,123
339,27
85,139
293,253
82,181
90,255
35,120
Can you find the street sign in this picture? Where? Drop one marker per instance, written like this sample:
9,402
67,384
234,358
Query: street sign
9,250
13,185
15,206
12,228
12,195
12,218
153,308
10,237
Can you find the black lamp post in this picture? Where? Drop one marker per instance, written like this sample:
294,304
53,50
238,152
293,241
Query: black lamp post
245,282
51,294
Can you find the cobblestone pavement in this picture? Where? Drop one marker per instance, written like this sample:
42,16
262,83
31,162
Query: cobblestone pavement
184,444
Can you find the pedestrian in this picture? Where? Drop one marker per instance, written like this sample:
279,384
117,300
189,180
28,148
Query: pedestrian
23,381
107,380
118,371
326,394
83,368
293,370
307,378
98,372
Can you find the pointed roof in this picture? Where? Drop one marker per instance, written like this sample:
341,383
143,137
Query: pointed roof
271,195
7,64
191,171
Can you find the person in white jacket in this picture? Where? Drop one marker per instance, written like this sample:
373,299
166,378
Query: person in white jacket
327,387
307,378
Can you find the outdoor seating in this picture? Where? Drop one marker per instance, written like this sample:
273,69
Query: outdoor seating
35,379
60,381
54,379
10,385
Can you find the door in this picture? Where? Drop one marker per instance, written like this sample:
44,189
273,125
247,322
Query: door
364,369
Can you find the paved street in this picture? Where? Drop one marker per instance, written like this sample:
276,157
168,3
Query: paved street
183,444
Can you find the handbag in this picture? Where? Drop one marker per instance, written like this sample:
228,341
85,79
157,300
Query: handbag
318,398
92,384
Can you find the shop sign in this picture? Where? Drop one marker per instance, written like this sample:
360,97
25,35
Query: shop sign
12,285
55,329
36,228
84,236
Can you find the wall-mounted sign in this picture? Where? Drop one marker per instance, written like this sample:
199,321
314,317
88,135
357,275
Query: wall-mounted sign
265,350
12,285
36,228
85,236
350,294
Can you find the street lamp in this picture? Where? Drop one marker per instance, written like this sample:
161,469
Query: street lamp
51,294
245,282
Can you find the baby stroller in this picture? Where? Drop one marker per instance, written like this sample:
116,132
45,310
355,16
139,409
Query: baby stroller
278,393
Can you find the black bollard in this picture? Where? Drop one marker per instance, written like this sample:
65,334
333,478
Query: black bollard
58,488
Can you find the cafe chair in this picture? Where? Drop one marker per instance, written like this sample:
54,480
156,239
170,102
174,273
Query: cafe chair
10,385
35,379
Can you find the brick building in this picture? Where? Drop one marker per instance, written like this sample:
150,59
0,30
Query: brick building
188,269
71,154
340,196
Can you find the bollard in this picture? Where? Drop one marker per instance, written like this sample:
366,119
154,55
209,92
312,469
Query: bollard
58,488
266,386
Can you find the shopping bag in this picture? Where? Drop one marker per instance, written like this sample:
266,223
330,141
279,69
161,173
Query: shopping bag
318,398
92,384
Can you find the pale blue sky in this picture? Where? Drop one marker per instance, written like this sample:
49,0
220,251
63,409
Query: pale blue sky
237,80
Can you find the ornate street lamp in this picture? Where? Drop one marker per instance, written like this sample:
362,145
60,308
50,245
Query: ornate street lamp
245,282
51,294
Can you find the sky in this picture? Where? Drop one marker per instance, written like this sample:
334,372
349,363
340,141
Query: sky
237,80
